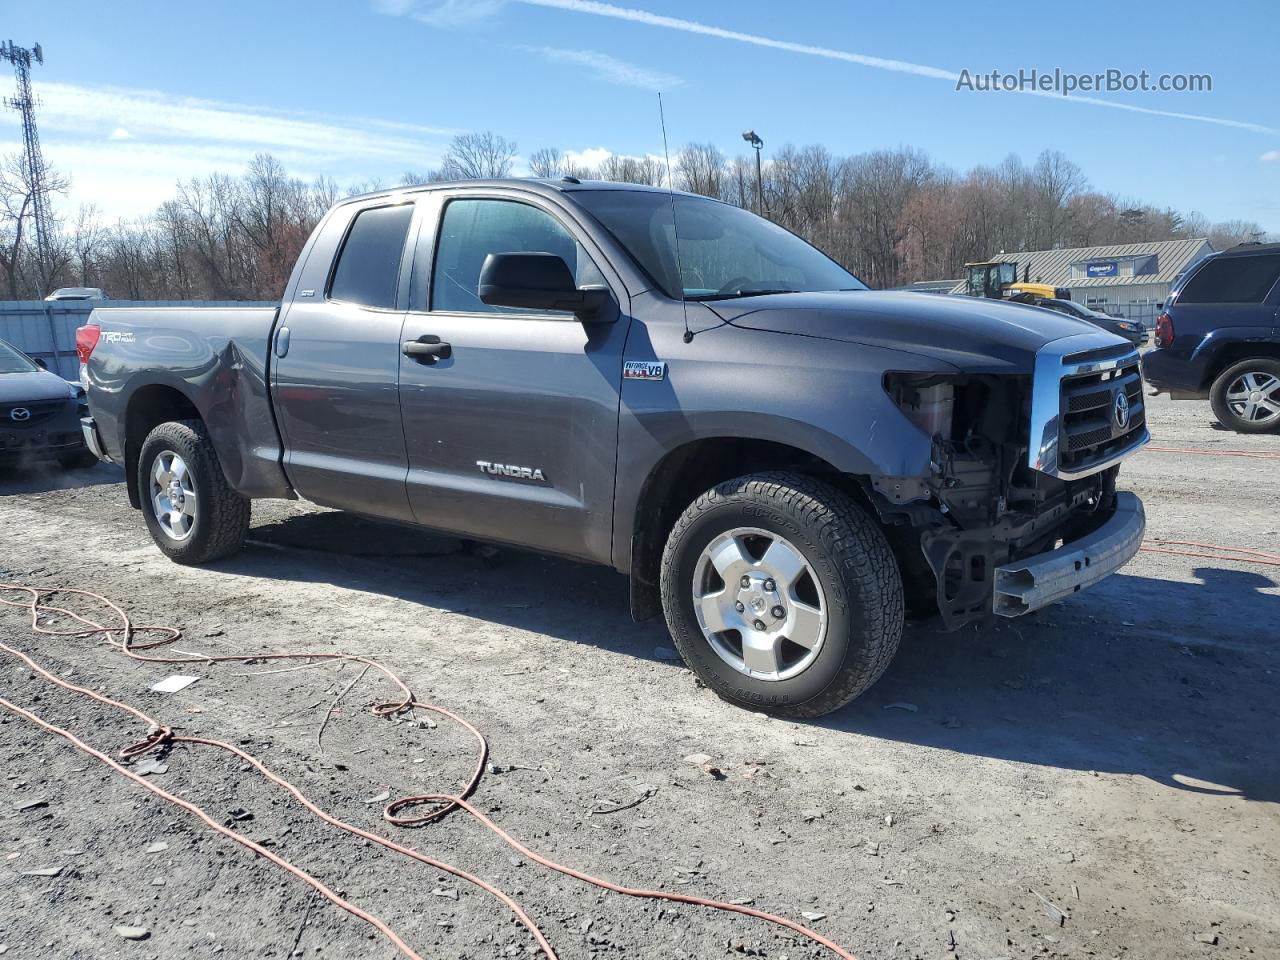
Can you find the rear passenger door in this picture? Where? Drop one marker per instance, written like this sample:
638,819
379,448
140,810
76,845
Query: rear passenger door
336,363
513,435
1234,290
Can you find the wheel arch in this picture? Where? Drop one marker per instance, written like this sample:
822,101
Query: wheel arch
148,407
691,469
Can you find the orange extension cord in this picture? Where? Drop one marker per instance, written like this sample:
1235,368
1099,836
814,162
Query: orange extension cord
439,805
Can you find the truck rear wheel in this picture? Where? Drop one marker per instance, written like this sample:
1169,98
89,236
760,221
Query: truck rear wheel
1246,396
193,514
782,594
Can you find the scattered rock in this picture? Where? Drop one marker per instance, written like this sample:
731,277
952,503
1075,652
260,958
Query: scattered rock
902,705
449,893
383,797
888,819
132,933
698,759
149,765
950,915
239,814
1208,937
42,872
813,915
743,901
1051,909
26,805
872,848
158,847
808,816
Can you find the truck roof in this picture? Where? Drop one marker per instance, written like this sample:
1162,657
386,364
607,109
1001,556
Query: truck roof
540,184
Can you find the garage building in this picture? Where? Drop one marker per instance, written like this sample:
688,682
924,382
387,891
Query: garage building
1124,280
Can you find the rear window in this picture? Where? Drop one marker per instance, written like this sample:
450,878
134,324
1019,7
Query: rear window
369,266
1232,280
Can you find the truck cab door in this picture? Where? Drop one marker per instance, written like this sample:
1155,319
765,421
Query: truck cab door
511,422
336,363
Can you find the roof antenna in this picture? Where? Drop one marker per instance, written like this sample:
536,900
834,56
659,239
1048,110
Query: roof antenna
675,231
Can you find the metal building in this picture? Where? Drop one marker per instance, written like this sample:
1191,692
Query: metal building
1124,280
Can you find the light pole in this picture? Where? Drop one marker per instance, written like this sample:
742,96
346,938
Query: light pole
753,138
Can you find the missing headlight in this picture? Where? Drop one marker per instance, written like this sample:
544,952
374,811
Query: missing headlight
927,400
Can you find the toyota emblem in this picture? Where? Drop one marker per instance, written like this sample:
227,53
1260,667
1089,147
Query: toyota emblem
1121,410
19,414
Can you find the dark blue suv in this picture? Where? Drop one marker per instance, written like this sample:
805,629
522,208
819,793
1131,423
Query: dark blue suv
1219,337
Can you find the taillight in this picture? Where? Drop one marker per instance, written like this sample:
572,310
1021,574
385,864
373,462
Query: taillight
1164,330
86,339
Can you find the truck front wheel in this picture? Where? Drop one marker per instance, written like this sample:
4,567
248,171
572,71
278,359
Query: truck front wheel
1246,396
782,594
193,514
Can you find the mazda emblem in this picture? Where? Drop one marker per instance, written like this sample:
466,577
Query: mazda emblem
19,414
1121,410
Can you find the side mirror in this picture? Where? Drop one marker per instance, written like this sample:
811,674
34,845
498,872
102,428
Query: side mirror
538,281
39,362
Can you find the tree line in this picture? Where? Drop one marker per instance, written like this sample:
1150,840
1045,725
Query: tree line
890,216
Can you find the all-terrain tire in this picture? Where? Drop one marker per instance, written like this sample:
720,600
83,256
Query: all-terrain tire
847,553
222,515
1262,367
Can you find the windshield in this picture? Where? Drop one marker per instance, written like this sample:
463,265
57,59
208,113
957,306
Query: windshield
724,250
11,361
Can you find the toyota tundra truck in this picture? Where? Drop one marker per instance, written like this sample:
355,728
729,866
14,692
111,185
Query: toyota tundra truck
785,463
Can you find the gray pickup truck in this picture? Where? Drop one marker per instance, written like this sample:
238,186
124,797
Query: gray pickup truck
785,463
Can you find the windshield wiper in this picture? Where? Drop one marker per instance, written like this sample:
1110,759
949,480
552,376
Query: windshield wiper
740,294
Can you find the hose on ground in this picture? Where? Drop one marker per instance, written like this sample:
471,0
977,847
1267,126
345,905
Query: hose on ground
123,636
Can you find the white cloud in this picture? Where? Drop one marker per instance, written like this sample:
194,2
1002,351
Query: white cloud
595,8
125,149
590,158
1271,156
441,13
609,69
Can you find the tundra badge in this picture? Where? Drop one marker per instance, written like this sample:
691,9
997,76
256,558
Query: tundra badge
644,370
507,470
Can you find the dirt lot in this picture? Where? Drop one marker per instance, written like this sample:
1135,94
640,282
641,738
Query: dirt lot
1118,754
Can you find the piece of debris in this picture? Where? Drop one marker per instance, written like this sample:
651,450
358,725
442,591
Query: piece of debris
698,759
239,813
1066,856
813,915
383,797
950,915
616,808
149,765
888,882
173,684
872,848
132,933
808,816
42,872
1208,937
449,893
1051,909
158,847
26,805
743,901
902,705
1075,890
888,819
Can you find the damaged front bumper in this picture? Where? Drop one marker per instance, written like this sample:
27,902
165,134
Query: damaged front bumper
1034,582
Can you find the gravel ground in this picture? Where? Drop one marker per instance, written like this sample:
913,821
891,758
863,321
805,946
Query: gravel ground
1116,754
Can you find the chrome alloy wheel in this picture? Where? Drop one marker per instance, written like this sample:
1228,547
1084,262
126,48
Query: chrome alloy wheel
759,604
1255,397
173,496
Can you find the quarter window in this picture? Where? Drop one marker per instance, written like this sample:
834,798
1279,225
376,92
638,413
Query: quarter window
368,268
473,229
1232,280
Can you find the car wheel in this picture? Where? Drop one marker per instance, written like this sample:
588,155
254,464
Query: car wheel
193,514
1246,396
782,594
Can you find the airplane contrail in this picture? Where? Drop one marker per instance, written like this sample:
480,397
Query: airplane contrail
648,18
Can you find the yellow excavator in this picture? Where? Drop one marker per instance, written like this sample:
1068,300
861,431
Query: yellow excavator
998,280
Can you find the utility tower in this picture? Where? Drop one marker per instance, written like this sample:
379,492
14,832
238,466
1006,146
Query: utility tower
25,104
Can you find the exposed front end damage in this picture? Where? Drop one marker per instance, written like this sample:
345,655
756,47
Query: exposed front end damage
1019,507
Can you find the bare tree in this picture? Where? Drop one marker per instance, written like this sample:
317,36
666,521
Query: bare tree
478,156
546,163
701,168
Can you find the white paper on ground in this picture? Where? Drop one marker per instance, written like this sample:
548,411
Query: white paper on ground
173,684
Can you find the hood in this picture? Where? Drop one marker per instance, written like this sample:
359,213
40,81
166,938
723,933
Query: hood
37,385
974,335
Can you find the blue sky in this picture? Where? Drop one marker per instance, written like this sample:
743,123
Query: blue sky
138,94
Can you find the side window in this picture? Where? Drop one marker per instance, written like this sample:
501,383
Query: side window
369,263
1232,280
473,229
